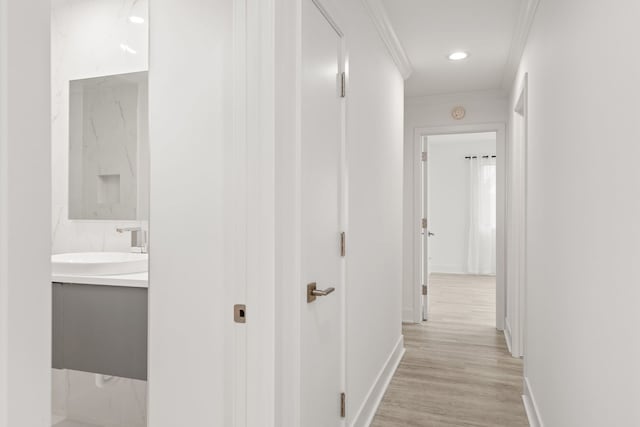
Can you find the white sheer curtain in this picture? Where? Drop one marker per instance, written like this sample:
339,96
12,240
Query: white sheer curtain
482,215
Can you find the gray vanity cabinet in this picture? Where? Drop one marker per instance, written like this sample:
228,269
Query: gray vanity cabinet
100,329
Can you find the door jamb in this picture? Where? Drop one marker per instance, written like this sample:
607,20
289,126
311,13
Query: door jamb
518,200
25,278
421,133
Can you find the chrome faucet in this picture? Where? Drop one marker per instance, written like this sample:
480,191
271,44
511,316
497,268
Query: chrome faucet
138,238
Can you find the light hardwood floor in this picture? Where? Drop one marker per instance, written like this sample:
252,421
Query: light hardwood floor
457,370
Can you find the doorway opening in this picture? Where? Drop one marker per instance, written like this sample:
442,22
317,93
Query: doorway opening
100,174
461,158
460,228
459,234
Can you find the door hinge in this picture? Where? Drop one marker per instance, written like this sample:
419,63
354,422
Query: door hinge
343,244
343,405
424,156
424,289
424,223
240,313
343,85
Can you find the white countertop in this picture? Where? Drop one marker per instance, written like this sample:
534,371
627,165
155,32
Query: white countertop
136,280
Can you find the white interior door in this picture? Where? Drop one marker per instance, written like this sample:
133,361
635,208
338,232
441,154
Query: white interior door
321,319
426,231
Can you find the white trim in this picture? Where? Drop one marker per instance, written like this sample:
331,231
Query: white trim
522,292
288,54
516,237
519,41
236,230
25,213
388,35
254,251
259,229
530,405
507,334
320,4
4,217
369,407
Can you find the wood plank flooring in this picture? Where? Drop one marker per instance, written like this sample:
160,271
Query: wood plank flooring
457,370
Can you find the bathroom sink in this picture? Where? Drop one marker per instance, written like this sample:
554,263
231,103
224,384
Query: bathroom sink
99,263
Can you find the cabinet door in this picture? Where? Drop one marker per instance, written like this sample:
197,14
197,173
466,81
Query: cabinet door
105,330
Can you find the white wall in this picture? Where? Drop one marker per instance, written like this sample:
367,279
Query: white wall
191,354
85,42
25,214
449,198
212,213
435,111
581,342
374,157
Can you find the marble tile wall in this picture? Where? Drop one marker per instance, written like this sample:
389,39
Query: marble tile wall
118,402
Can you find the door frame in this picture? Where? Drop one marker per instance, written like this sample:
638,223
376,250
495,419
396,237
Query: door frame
25,222
253,33
288,204
516,232
420,134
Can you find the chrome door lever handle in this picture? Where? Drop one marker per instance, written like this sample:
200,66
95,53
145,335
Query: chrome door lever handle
313,292
322,293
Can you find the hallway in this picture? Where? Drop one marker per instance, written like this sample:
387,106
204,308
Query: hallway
222,213
457,370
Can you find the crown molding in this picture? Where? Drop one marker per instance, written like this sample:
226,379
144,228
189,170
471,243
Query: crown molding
388,35
519,41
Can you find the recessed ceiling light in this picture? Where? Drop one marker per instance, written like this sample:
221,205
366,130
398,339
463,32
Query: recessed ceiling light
458,56
136,19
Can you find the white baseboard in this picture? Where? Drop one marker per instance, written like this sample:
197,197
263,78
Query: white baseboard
368,409
507,334
56,419
530,406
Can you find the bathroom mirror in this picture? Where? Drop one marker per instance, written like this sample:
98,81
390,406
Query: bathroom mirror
108,147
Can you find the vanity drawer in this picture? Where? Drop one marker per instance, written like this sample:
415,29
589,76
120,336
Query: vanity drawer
100,329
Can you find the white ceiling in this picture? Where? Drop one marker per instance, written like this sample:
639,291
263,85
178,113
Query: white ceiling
429,30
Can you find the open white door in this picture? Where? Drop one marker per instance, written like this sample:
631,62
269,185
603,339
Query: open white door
322,314
426,233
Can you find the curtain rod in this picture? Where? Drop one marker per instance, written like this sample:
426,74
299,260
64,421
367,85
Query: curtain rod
484,157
